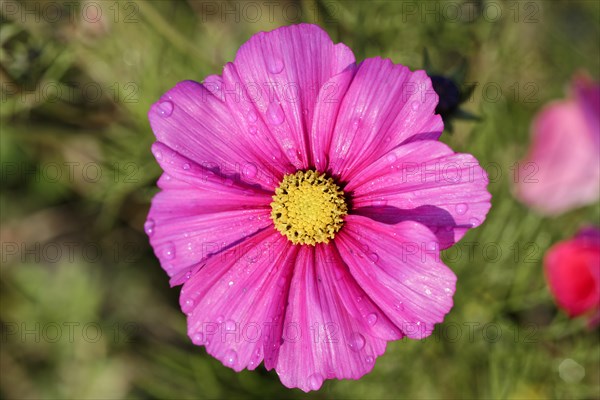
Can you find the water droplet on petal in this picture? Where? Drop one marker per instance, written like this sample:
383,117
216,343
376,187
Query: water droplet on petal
275,66
474,222
275,114
253,130
230,283
373,257
399,307
165,108
187,306
391,158
186,166
251,116
158,154
220,319
169,251
461,208
372,319
230,358
369,360
230,325
432,246
198,338
415,105
250,171
357,341
428,292
315,381
149,227
379,203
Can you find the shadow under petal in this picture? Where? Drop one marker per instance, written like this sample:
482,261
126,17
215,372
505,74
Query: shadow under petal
438,220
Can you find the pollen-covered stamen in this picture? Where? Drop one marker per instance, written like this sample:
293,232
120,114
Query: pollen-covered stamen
308,208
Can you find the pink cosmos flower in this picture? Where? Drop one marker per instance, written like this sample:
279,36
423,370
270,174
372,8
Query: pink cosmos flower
562,169
573,274
305,199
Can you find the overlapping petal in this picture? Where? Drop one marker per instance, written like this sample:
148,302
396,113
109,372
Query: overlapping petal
273,86
399,267
199,213
332,329
384,106
424,181
235,303
191,120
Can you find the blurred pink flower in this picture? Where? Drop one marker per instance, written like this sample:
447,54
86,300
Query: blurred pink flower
562,169
304,203
573,274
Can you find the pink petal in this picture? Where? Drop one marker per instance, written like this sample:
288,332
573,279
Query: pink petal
399,268
562,170
272,88
424,181
326,114
198,125
332,329
199,213
384,106
235,303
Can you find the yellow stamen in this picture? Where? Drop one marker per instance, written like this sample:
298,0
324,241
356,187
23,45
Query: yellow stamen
308,208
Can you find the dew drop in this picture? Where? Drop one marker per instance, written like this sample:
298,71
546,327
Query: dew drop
391,158
357,341
432,246
415,105
428,292
230,358
315,381
251,116
231,283
399,306
186,166
369,360
220,319
275,66
359,299
461,208
165,108
373,257
275,114
169,251
253,130
372,319
230,325
474,222
158,154
149,227
250,171
187,305
198,338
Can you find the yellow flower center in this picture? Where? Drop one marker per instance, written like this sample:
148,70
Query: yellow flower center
308,208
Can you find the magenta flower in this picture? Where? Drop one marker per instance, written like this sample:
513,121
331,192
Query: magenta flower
562,170
304,203
573,274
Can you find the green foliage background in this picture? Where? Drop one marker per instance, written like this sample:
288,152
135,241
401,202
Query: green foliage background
113,282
